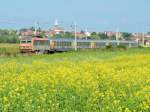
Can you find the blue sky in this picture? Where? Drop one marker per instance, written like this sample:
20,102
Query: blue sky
96,15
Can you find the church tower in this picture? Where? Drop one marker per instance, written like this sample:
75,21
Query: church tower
56,22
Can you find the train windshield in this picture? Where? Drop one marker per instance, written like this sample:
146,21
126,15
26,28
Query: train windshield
29,41
26,41
23,41
41,43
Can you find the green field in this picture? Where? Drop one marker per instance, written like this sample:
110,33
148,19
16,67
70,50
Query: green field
9,49
84,81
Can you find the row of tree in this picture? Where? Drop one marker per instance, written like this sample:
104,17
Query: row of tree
8,36
102,36
95,35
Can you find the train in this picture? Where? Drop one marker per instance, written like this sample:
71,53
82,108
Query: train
46,45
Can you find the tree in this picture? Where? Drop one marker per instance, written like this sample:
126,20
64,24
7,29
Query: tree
126,36
58,36
68,35
103,36
94,35
82,31
113,37
32,28
39,29
148,32
43,34
8,36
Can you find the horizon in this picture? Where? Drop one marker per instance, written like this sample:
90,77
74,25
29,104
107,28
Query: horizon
99,16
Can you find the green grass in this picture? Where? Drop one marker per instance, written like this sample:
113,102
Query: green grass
9,49
97,54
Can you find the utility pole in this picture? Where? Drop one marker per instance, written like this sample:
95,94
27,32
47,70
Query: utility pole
117,36
75,36
86,33
138,37
143,39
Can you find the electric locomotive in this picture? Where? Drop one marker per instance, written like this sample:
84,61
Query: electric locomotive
34,44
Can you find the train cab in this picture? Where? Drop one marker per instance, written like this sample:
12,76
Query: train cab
26,44
34,44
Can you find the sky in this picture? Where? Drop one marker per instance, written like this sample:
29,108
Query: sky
94,15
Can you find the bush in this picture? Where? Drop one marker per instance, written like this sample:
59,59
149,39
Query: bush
109,47
122,47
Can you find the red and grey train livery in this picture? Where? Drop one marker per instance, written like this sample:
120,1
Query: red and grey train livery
45,45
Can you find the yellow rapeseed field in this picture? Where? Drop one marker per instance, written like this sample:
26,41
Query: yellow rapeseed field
118,84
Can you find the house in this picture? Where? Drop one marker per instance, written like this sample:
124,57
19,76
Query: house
111,34
147,35
57,30
26,33
137,36
81,35
88,34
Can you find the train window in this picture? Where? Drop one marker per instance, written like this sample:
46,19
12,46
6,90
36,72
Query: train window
83,43
29,41
98,44
124,44
134,44
23,41
113,44
41,43
63,44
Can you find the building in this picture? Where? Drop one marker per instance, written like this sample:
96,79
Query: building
147,35
137,36
88,34
111,34
26,33
29,33
81,35
55,30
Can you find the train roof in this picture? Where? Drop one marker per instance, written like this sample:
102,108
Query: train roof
72,40
26,38
32,37
89,40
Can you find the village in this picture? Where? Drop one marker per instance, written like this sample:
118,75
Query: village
58,31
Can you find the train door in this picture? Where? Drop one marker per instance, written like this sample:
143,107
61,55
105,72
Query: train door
93,45
53,45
